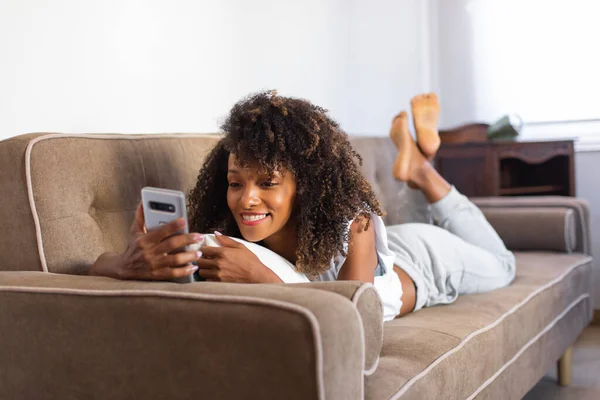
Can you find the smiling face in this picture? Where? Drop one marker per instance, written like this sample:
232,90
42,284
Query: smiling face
261,205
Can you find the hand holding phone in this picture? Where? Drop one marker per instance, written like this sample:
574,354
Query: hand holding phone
166,244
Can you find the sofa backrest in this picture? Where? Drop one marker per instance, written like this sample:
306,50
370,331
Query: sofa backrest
66,199
378,155
73,197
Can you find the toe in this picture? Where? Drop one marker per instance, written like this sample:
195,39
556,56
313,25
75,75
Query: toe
424,101
416,101
401,114
433,100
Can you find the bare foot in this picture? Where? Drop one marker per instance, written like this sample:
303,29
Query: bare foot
409,159
425,112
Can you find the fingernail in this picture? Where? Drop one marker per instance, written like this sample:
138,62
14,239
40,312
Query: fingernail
199,254
197,237
181,222
218,233
194,268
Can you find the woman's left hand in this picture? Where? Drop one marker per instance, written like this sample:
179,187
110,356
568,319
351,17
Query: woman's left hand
233,262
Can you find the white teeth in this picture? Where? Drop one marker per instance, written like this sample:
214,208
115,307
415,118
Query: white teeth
254,217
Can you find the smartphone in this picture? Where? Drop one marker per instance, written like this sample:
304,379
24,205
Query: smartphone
162,206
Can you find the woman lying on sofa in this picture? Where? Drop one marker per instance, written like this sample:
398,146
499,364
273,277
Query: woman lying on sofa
286,177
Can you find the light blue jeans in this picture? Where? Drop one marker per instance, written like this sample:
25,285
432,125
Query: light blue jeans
448,248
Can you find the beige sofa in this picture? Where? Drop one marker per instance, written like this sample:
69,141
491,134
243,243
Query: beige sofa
68,198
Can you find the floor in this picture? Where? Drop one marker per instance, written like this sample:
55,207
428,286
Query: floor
586,373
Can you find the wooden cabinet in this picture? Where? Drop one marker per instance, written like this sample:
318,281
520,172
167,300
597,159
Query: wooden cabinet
509,168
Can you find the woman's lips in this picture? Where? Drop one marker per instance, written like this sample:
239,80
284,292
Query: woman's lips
253,221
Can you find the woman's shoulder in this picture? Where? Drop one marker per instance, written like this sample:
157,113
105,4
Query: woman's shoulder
361,221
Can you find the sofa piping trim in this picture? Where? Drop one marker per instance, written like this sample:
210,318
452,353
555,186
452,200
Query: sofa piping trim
528,344
568,249
463,342
310,317
570,246
370,371
361,289
36,219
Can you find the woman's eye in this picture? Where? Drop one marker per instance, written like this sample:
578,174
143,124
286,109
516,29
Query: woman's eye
234,185
269,184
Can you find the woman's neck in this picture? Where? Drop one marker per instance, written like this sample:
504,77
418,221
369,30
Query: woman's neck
284,242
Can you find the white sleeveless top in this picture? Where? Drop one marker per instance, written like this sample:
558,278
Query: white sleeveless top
386,282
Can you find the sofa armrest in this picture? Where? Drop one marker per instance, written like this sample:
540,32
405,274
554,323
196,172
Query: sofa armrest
367,302
539,222
67,336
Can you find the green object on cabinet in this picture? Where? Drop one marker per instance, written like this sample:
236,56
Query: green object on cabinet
506,128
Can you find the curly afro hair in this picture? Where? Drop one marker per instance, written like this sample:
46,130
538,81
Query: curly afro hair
276,131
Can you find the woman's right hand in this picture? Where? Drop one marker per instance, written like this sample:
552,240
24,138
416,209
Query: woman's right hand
151,256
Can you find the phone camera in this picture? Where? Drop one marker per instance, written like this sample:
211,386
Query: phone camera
155,205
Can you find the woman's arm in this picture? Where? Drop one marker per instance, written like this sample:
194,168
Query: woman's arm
362,256
233,262
108,264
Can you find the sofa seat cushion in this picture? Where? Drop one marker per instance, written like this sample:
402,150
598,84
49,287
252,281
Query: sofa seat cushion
462,348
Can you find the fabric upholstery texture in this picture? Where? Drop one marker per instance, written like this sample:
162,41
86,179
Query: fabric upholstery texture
18,247
369,307
166,340
580,207
378,155
59,332
422,339
536,360
103,177
520,227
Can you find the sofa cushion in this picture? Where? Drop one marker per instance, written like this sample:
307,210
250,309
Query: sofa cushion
430,351
84,189
18,247
88,337
580,222
378,154
535,228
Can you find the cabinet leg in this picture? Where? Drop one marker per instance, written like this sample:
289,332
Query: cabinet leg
564,367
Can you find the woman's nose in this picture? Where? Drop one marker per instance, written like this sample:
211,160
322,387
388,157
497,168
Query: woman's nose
250,196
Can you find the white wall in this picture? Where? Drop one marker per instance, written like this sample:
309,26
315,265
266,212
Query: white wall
178,66
389,61
531,57
586,182
157,66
